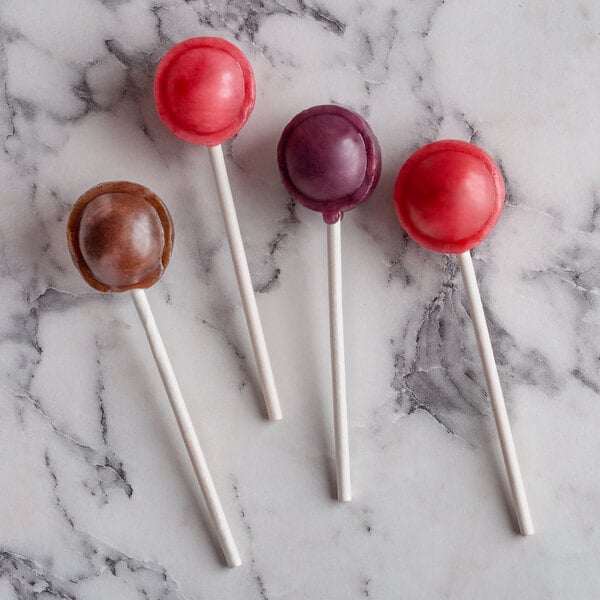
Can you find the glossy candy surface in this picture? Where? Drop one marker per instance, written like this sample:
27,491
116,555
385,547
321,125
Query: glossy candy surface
449,195
329,160
204,90
120,236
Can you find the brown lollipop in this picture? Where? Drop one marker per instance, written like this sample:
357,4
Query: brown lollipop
120,236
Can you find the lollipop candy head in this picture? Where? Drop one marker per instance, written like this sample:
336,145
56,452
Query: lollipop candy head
204,90
449,195
120,236
329,160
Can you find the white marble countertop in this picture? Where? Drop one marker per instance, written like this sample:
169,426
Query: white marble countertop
98,500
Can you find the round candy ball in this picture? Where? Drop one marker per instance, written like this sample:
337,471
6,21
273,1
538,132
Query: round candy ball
120,236
204,90
329,160
449,195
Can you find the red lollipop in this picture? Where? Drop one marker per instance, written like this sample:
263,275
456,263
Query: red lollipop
204,93
448,197
120,237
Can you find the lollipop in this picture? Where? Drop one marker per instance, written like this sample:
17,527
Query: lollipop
120,237
329,161
204,93
448,197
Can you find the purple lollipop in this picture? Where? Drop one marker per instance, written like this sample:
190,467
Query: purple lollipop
330,161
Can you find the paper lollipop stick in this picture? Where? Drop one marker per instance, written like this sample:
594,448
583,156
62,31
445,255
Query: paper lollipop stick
448,197
204,93
120,237
338,363
329,161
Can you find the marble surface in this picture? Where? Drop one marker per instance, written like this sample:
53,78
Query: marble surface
97,497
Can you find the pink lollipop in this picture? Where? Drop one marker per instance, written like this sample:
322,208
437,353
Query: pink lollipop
204,92
448,196
329,161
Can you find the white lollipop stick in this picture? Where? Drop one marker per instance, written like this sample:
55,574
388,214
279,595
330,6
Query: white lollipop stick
338,368
187,428
242,272
495,392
